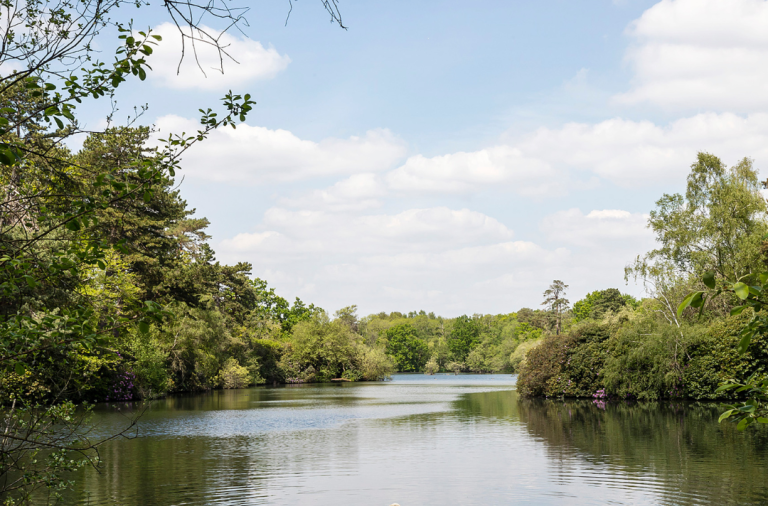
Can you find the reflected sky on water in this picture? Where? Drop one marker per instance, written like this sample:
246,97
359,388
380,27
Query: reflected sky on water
423,440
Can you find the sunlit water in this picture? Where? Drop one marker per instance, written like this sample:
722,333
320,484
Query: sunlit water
423,440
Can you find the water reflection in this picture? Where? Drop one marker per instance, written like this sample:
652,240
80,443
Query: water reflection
420,441
676,450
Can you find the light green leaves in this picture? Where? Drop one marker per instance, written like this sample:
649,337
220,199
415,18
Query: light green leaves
741,290
695,299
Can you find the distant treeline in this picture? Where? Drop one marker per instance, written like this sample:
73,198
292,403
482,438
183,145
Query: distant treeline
214,326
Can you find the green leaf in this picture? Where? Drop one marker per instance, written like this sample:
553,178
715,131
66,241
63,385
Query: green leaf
73,225
147,195
744,342
142,74
686,302
760,419
742,424
738,310
724,415
698,300
143,327
20,369
741,290
709,280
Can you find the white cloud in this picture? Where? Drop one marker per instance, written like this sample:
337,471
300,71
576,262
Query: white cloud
700,54
613,228
557,160
355,193
447,260
254,61
464,172
413,230
252,154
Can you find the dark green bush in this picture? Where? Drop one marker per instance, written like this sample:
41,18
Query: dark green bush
568,365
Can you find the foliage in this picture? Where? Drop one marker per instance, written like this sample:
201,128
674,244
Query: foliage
431,367
406,349
554,299
465,335
375,365
600,302
566,366
517,358
647,359
94,245
717,226
233,375
751,290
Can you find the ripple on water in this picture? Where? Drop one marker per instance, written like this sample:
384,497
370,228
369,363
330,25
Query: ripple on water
420,441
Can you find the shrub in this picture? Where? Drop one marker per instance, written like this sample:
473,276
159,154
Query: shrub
233,375
375,365
517,357
431,366
568,365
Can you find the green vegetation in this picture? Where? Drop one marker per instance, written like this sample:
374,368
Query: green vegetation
107,288
701,334
110,292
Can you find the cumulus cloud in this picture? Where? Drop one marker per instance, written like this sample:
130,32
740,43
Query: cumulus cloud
700,54
463,172
612,228
442,259
355,193
254,61
323,232
253,154
555,160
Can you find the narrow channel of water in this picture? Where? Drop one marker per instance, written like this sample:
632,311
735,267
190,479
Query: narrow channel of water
424,440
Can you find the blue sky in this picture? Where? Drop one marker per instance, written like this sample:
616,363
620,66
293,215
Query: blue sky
458,156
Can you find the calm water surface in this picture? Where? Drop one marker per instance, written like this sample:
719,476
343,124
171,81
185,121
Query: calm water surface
424,440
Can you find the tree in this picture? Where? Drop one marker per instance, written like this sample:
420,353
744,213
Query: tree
406,349
717,226
600,302
554,299
464,337
56,208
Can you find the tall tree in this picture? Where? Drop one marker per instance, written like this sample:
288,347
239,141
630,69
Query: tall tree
717,226
554,299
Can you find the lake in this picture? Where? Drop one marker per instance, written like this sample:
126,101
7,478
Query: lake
423,440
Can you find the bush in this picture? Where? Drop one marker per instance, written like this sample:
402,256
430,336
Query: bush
375,365
233,375
517,357
431,366
713,358
568,365
647,358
